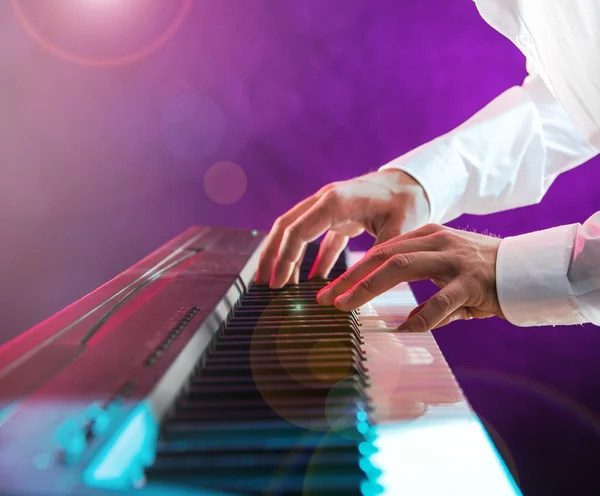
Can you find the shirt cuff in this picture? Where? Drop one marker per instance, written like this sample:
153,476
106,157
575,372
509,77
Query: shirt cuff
434,166
531,277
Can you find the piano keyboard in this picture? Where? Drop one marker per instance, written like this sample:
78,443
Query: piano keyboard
256,391
427,437
278,405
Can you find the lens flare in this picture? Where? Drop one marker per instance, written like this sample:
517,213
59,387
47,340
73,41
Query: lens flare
32,30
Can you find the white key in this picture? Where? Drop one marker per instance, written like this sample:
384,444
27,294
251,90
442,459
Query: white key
430,441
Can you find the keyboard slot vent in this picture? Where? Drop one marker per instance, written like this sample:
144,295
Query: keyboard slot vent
172,336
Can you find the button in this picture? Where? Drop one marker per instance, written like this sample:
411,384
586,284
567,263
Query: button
72,440
524,40
100,419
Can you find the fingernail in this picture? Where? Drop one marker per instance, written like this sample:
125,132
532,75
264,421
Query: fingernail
325,296
343,299
403,328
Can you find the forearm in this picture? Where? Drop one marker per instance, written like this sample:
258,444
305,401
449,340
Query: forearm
505,156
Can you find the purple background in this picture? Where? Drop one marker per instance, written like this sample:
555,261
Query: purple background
100,165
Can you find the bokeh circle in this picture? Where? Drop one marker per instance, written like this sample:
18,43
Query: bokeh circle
225,182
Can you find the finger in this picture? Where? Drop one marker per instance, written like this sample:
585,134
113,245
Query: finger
415,310
308,227
373,259
466,313
331,247
392,229
438,308
273,242
403,267
421,232
296,274
463,313
349,228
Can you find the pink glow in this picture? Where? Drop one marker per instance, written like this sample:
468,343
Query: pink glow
32,30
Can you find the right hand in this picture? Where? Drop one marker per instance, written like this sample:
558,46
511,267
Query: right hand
385,203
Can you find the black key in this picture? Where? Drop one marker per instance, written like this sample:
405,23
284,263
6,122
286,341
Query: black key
273,405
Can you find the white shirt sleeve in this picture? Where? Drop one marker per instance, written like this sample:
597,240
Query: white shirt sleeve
551,277
507,156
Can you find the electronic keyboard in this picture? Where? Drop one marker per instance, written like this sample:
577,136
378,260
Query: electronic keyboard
180,376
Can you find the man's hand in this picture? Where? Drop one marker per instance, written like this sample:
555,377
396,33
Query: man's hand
384,203
462,264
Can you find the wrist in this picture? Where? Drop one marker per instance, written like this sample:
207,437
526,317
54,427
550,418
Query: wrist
438,169
412,194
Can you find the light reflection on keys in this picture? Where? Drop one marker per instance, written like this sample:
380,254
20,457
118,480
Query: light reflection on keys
429,439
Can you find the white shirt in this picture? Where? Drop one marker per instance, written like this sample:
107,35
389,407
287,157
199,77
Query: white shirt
508,155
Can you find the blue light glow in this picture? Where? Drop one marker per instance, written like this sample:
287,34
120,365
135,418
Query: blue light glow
370,488
120,465
372,473
6,413
366,448
454,447
362,427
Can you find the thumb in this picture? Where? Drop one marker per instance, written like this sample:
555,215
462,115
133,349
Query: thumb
462,313
388,231
465,313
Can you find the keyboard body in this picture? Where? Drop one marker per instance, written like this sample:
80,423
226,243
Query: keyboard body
181,377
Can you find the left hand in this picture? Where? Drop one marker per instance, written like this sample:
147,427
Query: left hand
461,263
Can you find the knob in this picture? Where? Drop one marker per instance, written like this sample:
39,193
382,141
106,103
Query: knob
72,439
99,419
